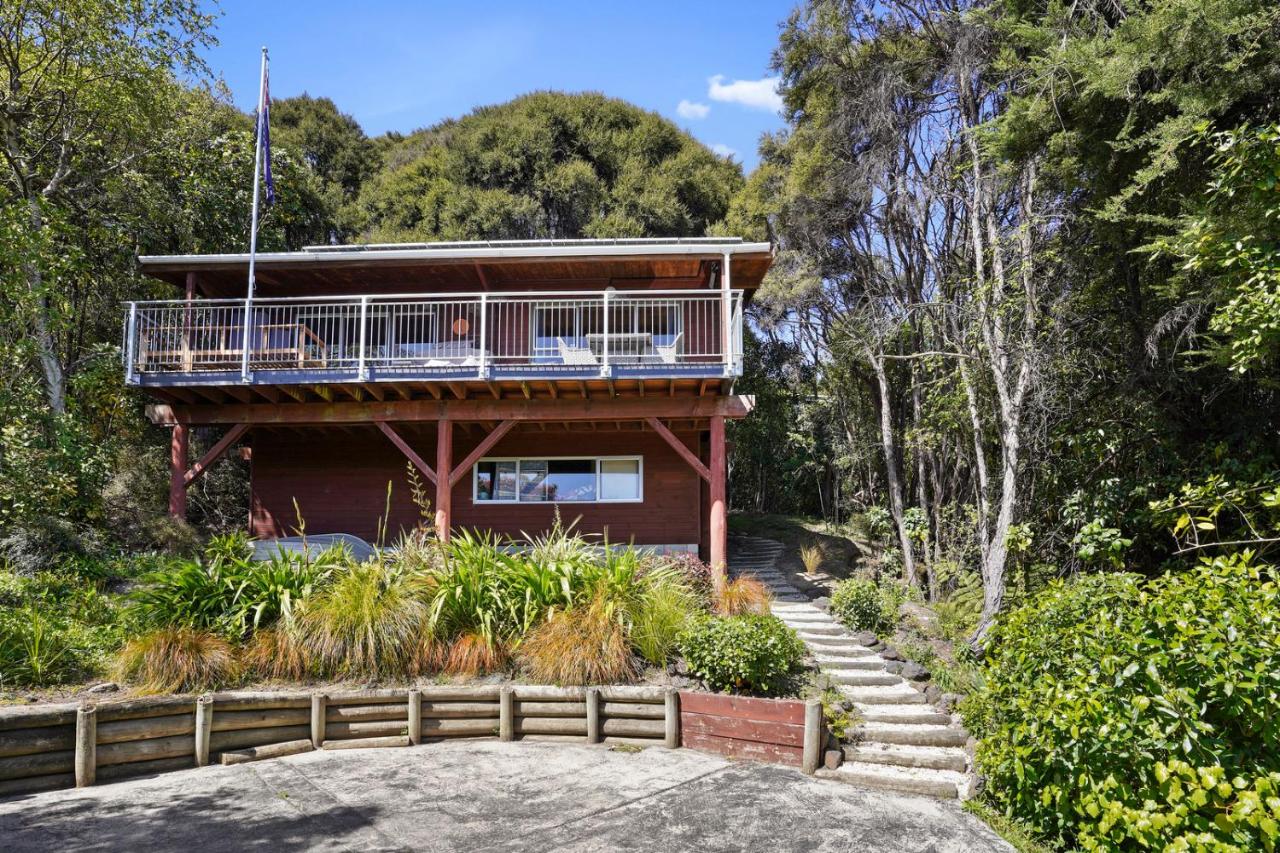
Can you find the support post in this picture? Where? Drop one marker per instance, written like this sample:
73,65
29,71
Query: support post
726,335
484,331
719,507
187,322
178,449
593,714
813,737
319,701
204,727
362,369
444,464
86,760
415,716
507,713
672,718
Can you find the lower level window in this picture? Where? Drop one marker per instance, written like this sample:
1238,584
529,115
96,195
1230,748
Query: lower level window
560,480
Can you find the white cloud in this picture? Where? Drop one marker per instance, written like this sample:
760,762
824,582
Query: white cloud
724,150
758,94
692,109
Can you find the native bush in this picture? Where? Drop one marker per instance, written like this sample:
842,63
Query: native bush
1120,713
750,653
54,627
861,605
227,591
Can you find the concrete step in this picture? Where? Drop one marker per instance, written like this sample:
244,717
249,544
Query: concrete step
864,679
896,755
832,645
912,735
909,715
884,695
830,629
907,780
832,665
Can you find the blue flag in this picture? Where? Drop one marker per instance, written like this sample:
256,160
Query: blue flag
264,131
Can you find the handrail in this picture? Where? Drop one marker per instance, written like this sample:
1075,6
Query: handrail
473,295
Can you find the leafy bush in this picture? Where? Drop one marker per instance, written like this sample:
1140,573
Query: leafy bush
177,659
697,575
1120,713
862,605
748,652
54,627
227,591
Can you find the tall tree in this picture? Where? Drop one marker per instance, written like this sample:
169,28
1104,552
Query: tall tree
87,86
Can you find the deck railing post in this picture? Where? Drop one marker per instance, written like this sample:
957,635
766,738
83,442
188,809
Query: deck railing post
726,336
130,344
362,369
244,342
484,334
604,338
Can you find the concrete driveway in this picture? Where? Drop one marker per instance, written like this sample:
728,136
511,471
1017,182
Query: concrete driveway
490,796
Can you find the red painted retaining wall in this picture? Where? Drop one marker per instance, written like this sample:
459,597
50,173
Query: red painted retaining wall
741,727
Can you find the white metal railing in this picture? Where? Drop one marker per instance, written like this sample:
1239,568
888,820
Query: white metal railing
402,336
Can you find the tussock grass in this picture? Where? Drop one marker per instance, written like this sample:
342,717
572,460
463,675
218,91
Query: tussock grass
274,654
581,645
742,595
369,622
172,660
813,555
472,654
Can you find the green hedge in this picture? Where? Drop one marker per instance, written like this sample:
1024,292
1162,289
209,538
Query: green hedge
749,652
1123,714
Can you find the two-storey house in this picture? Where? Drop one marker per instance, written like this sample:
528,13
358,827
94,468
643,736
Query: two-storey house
516,376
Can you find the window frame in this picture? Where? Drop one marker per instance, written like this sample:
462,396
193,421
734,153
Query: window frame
596,460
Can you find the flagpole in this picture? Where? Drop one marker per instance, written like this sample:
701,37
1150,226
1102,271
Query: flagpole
253,227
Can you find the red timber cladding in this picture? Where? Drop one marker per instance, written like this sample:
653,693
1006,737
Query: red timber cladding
339,480
742,727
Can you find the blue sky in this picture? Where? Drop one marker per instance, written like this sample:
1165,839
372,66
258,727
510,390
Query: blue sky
403,65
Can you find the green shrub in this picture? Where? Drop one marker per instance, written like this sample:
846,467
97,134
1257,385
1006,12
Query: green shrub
863,605
55,627
1119,713
227,591
749,652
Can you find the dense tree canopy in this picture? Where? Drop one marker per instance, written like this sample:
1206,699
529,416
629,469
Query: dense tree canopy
548,164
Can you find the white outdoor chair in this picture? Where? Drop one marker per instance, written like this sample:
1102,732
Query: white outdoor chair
575,355
668,353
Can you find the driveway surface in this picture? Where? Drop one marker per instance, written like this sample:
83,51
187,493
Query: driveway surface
487,796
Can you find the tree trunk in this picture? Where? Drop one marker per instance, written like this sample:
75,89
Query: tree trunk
55,382
892,475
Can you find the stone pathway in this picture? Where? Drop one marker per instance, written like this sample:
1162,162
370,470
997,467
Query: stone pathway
901,743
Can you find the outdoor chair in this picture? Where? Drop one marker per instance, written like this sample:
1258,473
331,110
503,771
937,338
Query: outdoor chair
668,353
575,355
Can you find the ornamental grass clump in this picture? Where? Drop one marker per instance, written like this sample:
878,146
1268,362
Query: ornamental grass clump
748,653
1122,713
273,653
812,555
177,659
742,595
585,644
369,622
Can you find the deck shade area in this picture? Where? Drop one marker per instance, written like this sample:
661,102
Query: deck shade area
592,378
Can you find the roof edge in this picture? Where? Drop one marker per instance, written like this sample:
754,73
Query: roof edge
374,253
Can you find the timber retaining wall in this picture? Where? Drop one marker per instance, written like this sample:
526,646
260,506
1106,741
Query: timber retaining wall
73,745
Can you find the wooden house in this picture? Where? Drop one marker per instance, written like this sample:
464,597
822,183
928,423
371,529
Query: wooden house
517,377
